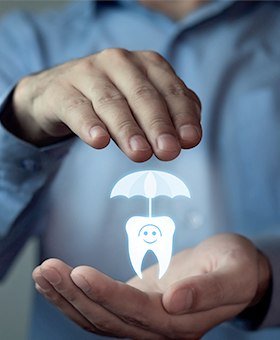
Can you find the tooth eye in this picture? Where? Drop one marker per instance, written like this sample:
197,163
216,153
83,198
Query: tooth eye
145,233
154,233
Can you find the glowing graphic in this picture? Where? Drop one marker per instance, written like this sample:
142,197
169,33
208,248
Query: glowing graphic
155,234
150,233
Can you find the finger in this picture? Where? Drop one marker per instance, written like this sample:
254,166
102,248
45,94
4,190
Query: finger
146,103
204,292
76,112
182,103
47,290
112,108
134,306
145,311
58,274
131,305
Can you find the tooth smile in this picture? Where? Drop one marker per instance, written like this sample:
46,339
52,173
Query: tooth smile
140,231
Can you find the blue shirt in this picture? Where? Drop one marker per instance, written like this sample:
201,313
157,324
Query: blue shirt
228,53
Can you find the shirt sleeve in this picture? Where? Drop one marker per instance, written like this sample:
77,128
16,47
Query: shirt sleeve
267,312
271,249
24,168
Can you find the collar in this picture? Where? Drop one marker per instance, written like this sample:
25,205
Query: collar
194,18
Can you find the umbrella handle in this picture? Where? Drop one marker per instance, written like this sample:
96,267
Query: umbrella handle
150,206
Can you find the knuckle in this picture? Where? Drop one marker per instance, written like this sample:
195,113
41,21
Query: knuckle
84,65
23,85
73,104
144,92
181,117
193,96
157,124
114,53
125,127
49,91
154,57
157,60
109,96
176,90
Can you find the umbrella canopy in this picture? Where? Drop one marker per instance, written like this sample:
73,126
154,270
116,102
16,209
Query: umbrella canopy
150,184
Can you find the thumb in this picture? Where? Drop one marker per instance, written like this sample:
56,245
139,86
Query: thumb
208,291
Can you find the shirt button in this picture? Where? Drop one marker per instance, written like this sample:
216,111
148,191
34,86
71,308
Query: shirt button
30,165
196,219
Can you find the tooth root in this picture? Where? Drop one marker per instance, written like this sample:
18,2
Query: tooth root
135,245
164,257
163,249
136,255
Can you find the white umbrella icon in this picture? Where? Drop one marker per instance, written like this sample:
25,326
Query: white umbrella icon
150,184
150,233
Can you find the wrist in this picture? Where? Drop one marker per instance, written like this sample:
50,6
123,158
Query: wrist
264,279
252,317
18,121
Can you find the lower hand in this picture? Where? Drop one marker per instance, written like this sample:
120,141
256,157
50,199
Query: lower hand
204,286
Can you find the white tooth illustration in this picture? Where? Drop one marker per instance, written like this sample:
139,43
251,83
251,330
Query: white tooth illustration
150,233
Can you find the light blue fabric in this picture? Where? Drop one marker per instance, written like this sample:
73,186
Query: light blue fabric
229,54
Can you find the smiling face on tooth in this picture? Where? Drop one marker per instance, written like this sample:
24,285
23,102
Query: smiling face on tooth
150,233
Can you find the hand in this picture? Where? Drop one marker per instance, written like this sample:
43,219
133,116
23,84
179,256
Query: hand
134,97
204,286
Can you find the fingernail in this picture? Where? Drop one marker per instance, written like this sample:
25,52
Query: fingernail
182,301
42,283
189,132
97,132
167,142
51,275
139,143
40,289
81,282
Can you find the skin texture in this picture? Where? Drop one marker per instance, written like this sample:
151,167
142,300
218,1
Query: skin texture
135,98
203,287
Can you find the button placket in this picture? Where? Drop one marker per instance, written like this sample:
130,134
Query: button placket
30,165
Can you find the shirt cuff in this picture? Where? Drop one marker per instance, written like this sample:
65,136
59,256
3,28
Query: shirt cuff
270,247
24,169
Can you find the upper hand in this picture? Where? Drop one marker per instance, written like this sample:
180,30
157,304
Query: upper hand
204,286
135,98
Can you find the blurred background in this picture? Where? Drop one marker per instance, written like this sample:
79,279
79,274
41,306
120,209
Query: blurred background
35,5
16,288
